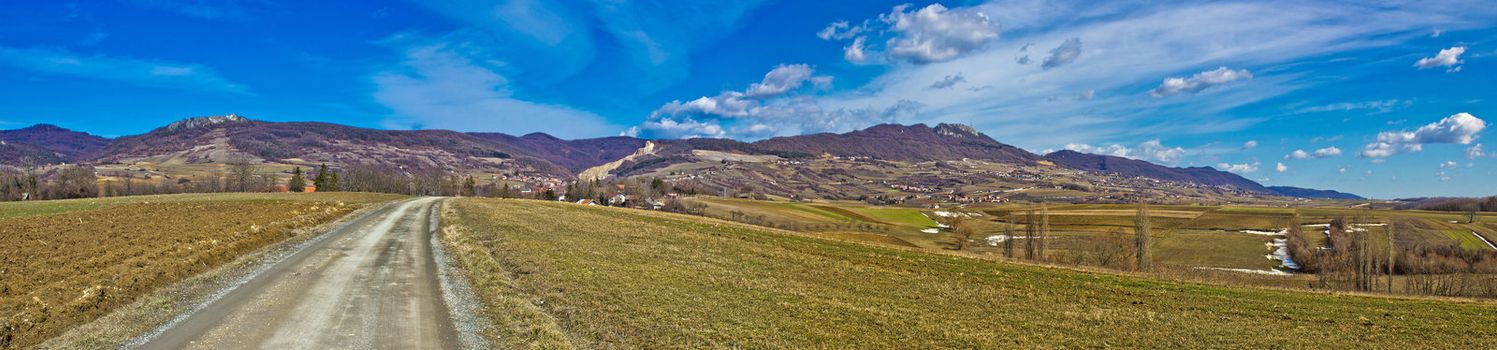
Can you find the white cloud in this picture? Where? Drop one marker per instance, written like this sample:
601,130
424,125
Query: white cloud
855,52
1251,144
1441,175
1449,165
1475,152
936,34
1449,58
1280,167
437,87
1200,81
1317,154
1297,154
841,30
782,79
1142,43
764,109
1152,150
1244,168
1379,106
1064,54
1461,128
948,81
928,35
140,72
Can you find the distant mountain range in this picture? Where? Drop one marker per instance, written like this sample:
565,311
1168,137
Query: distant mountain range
219,139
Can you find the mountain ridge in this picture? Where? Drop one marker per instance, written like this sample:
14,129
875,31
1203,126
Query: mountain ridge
223,138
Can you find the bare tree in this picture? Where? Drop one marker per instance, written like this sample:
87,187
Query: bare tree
964,230
1029,227
1044,232
241,174
1141,237
1008,239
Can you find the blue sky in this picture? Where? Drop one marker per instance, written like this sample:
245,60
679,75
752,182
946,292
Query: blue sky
1386,99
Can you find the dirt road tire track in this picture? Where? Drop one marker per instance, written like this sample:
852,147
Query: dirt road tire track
372,283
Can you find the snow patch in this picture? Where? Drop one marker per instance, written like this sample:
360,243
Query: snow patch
1268,233
1281,253
1274,272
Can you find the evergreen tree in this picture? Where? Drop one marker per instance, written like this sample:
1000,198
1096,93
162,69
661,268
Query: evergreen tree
469,186
322,178
297,183
332,183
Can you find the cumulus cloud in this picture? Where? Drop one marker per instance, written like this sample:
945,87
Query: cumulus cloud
1450,164
1200,81
767,108
1152,150
1327,152
1297,154
928,35
1064,54
948,81
133,71
1280,167
1475,152
936,34
784,78
1449,58
1461,128
1251,144
1243,168
1317,154
855,52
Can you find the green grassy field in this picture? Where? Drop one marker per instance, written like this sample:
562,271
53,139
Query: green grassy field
590,277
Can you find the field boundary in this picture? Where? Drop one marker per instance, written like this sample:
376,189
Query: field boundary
133,324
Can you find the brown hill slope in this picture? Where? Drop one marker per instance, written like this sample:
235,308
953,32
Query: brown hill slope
63,145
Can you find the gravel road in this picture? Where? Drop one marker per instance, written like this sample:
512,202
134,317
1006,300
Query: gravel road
370,284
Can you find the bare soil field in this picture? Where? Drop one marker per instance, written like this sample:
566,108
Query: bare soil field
71,262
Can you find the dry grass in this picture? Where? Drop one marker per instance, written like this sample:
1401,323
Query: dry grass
72,266
613,278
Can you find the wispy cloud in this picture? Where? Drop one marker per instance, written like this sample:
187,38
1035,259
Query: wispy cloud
1383,106
436,86
134,71
1247,38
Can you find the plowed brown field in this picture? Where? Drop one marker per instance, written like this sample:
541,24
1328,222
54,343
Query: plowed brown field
61,270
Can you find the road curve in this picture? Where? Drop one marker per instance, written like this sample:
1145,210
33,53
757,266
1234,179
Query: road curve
369,284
